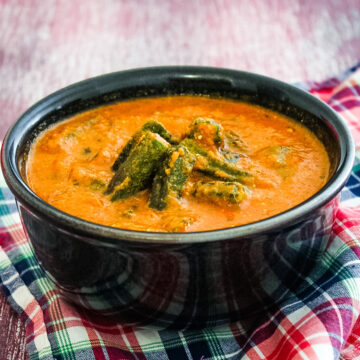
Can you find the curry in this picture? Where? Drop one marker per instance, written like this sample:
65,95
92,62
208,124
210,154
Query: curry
176,164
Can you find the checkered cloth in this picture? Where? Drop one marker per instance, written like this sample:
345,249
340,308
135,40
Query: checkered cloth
323,323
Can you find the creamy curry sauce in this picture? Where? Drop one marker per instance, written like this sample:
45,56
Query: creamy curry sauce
70,163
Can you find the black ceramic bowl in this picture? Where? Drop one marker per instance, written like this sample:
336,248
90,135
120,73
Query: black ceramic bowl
179,280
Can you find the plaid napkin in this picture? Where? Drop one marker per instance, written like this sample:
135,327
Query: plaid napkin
323,323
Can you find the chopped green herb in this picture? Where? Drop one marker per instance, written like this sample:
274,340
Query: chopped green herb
129,214
97,185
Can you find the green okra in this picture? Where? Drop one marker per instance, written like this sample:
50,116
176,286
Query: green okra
233,141
234,147
220,192
152,126
230,156
208,130
171,176
277,154
135,172
212,165
156,127
97,185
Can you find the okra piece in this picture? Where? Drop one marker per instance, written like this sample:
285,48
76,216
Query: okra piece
207,132
156,127
171,176
276,154
134,173
230,156
210,164
233,141
152,126
220,192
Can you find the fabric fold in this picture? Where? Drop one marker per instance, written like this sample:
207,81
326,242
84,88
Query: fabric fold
318,320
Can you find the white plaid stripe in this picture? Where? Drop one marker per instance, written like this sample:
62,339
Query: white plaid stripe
149,339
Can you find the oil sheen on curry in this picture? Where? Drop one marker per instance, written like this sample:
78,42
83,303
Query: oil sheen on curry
176,164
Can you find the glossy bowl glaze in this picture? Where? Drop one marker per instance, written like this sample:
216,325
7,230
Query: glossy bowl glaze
179,280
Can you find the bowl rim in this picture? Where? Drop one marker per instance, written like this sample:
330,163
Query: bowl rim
110,236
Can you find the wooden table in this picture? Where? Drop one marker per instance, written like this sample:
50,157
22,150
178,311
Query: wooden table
47,45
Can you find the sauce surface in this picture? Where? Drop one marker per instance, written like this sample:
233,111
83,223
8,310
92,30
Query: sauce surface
70,162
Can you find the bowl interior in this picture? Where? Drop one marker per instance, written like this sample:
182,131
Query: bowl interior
272,96
165,81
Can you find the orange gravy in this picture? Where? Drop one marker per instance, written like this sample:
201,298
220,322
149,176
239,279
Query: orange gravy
68,159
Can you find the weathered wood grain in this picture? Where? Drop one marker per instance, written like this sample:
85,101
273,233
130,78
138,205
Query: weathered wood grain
12,333
45,45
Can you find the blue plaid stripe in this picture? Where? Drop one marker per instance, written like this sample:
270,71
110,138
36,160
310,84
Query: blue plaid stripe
328,293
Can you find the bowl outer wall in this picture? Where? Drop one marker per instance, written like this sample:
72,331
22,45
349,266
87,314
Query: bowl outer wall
98,86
